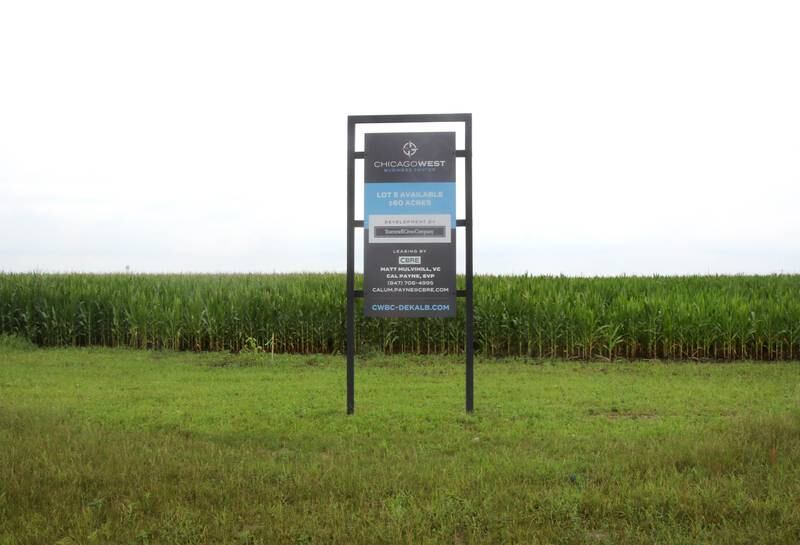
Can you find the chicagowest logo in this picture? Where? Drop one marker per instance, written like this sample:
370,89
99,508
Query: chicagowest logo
410,148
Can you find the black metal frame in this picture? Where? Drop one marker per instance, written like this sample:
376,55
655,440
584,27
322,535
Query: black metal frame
352,224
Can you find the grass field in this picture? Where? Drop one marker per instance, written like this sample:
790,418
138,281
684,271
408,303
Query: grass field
121,446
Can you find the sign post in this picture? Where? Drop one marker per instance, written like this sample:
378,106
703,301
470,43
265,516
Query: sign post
409,228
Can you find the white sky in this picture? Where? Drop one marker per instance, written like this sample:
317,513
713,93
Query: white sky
609,137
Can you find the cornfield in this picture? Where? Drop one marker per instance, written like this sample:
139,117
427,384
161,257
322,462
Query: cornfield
693,317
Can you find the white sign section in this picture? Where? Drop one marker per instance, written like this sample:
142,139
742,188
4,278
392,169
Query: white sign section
410,229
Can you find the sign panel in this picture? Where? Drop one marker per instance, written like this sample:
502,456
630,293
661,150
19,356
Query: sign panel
410,225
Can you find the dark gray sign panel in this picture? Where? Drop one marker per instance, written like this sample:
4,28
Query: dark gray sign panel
410,225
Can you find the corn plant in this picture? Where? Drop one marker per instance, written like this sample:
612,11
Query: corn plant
692,317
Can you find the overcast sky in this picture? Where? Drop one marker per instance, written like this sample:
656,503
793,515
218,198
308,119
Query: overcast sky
609,137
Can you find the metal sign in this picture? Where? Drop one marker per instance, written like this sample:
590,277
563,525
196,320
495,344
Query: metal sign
410,225
418,223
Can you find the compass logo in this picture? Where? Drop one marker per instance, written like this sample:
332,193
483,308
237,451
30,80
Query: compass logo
409,148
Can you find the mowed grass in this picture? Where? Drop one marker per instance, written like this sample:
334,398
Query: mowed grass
119,446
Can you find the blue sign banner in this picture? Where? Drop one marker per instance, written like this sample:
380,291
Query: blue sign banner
410,198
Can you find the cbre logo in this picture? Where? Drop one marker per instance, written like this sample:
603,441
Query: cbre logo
409,148
410,260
